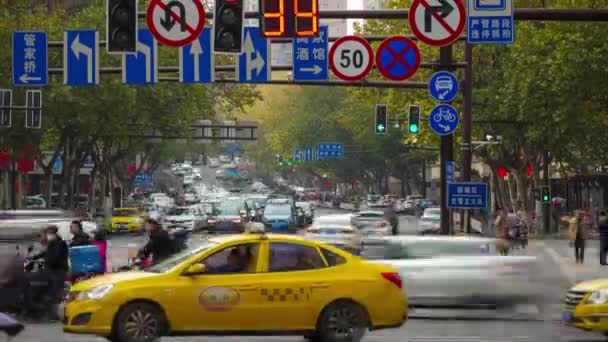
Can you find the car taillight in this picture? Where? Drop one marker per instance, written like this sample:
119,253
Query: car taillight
394,278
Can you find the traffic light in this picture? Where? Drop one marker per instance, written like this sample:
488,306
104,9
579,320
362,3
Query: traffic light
279,159
381,119
289,162
121,26
413,120
228,26
545,194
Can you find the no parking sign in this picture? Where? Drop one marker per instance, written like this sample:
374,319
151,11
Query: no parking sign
398,58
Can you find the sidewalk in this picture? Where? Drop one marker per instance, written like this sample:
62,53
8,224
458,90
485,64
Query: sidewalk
561,252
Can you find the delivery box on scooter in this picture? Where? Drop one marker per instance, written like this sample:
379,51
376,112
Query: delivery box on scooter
85,259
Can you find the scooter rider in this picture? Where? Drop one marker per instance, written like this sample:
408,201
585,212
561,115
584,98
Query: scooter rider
79,237
160,245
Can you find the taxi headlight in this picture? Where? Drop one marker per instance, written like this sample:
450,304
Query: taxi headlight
97,292
598,297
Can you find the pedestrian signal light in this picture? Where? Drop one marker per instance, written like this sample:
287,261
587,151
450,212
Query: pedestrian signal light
381,119
228,26
414,120
121,26
545,194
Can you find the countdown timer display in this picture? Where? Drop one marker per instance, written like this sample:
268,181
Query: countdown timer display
289,18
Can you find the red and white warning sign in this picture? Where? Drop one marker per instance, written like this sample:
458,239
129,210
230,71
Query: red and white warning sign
175,22
351,58
437,22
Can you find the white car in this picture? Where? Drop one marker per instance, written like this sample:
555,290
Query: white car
336,230
373,226
448,270
430,221
213,162
187,217
188,180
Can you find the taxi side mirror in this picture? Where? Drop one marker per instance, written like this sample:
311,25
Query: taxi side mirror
195,269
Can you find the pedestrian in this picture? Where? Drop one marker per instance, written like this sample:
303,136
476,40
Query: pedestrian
391,216
603,227
159,245
502,234
577,236
79,237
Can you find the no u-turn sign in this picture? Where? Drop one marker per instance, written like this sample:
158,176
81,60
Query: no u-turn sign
437,22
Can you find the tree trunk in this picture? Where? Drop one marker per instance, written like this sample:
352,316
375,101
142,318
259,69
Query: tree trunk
522,190
49,188
512,191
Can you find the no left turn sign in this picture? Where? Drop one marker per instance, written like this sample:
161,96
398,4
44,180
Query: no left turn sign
351,58
176,22
437,22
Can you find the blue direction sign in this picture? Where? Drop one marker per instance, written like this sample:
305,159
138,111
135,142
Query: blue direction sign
143,178
329,150
81,57
443,86
141,67
490,22
467,195
58,165
444,119
297,154
309,154
30,59
449,171
253,65
310,57
196,60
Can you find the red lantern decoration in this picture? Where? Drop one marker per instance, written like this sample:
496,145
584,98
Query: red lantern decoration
502,172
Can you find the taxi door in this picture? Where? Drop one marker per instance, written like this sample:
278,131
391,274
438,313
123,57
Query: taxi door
219,301
292,290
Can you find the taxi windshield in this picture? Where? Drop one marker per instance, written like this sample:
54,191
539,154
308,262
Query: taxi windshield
125,212
177,259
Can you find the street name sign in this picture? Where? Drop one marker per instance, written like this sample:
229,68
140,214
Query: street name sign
330,150
467,195
443,86
437,22
80,57
490,22
253,64
141,67
176,22
444,119
397,58
30,58
351,58
196,60
310,57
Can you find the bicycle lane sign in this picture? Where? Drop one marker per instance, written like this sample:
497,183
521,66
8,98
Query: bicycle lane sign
444,119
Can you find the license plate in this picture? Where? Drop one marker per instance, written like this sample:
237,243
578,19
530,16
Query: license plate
567,316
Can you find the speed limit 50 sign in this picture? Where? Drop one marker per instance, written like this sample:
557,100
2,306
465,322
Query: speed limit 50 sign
351,58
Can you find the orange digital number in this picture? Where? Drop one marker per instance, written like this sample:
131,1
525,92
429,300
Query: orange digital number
312,14
279,15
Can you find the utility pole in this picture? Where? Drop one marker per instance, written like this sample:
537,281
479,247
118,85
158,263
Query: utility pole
546,206
467,122
446,150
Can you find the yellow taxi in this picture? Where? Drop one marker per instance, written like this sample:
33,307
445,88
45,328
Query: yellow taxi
242,284
586,306
127,220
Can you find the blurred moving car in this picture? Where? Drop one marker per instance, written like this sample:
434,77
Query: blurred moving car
280,214
450,270
336,230
309,211
232,281
187,217
430,221
586,305
230,216
373,226
126,220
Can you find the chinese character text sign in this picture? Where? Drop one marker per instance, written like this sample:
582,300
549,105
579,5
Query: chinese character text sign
490,22
467,195
30,63
310,57
289,18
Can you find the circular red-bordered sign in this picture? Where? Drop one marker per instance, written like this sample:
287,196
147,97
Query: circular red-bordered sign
437,23
351,58
175,22
398,58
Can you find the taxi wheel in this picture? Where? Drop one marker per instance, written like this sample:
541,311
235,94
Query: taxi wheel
342,321
140,322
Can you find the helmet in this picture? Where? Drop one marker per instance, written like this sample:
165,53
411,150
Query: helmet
155,217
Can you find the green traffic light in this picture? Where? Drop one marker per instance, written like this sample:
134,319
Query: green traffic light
413,128
380,128
280,163
545,198
289,163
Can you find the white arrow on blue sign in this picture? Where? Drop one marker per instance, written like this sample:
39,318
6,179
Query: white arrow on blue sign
443,86
444,119
309,154
141,67
58,165
81,57
30,58
253,65
196,60
310,56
